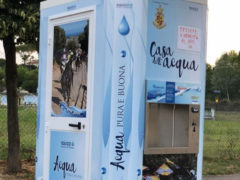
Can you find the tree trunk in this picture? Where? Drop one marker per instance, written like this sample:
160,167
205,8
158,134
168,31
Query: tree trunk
228,98
13,161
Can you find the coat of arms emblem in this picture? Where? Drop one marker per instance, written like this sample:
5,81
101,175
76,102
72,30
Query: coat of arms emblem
159,19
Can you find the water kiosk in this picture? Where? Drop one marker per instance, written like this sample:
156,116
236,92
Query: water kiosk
120,82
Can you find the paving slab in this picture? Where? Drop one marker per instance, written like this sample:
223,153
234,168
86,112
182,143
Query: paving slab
222,177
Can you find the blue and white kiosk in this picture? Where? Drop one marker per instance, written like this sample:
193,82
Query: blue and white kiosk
120,81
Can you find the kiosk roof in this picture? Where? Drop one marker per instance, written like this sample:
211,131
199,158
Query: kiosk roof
51,3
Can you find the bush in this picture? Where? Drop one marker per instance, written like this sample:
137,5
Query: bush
28,79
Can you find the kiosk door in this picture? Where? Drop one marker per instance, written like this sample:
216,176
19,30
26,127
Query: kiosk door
69,92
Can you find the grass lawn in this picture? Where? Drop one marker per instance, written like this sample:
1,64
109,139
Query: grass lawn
221,139
27,123
222,144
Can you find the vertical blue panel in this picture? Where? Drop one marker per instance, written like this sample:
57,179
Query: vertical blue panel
41,95
170,92
128,89
138,48
121,95
108,45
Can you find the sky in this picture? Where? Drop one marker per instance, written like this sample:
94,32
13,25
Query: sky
223,28
75,28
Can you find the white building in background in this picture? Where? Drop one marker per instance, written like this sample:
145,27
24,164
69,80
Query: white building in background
2,54
24,98
29,99
18,57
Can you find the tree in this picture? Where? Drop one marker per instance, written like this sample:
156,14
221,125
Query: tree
2,62
2,75
83,38
59,42
2,79
226,75
25,51
209,88
31,81
71,45
19,23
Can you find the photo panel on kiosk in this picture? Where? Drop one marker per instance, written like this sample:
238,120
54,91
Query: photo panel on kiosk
69,93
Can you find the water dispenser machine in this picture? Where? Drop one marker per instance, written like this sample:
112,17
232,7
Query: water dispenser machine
172,125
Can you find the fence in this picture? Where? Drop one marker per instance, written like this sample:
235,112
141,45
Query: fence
221,137
222,143
27,115
224,106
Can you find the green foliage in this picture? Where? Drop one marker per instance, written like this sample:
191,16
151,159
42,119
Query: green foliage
226,76
2,79
27,79
2,75
59,40
19,23
20,18
22,71
26,48
2,62
71,45
209,87
83,38
31,81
